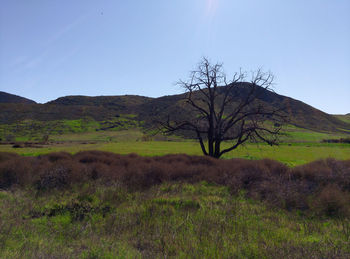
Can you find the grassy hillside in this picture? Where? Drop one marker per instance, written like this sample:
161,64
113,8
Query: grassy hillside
148,110
345,118
299,114
35,130
118,101
15,113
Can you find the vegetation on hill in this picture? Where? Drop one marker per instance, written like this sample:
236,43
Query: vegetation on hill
149,110
34,130
299,114
15,113
345,118
119,102
341,140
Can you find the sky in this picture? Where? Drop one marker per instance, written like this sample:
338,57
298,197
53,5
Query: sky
50,49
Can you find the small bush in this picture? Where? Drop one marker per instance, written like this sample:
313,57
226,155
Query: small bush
331,201
57,156
8,175
6,156
16,171
341,140
54,177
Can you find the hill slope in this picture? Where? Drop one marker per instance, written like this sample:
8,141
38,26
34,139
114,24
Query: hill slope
11,98
300,114
345,118
149,109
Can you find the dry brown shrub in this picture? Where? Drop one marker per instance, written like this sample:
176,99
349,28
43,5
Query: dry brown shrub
16,171
250,175
57,156
323,171
332,201
323,185
54,177
61,174
105,173
5,156
141,176
88,157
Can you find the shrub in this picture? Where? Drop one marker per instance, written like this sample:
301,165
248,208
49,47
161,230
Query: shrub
54,177
8,175
331,201
322,186
6,156
88,157
16,171
57,156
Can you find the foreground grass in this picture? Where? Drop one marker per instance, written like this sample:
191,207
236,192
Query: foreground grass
290,154
95,220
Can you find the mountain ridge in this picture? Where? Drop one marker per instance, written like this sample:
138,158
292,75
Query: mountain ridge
149,109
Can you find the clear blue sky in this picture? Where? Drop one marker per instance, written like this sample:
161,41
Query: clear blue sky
53,48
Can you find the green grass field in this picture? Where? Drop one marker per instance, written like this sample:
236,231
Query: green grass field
298,146
169,220
290,154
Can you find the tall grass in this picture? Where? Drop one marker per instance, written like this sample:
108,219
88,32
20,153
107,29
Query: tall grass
170,220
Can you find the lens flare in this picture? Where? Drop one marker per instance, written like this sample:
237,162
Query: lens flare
211,6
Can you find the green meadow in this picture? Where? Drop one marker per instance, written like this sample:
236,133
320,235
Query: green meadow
167,221
298,146
290,154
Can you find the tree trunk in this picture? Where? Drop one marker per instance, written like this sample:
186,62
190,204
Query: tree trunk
217,148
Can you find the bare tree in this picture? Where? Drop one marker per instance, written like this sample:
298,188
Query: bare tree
227,111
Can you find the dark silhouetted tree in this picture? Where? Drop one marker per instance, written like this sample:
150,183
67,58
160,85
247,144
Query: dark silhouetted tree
229,111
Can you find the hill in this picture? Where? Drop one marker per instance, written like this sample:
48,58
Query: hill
147,110
300,114
11,98
345,118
